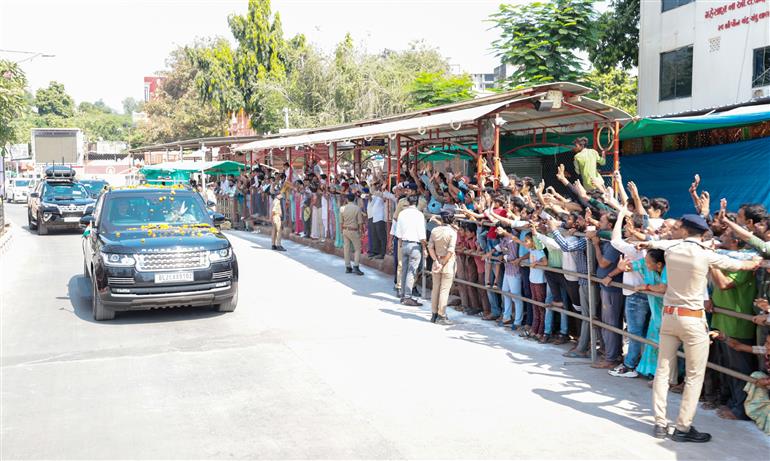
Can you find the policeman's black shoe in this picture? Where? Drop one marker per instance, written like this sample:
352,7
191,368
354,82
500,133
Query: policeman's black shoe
275,247
348,270
691,436
280,248
357,271
410,302
433,318
660,432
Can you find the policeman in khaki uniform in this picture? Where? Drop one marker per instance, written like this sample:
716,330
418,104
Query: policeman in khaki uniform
684,321
276,216
351,221
441,246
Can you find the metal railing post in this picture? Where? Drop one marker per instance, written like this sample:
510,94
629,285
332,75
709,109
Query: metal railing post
423,276
591,306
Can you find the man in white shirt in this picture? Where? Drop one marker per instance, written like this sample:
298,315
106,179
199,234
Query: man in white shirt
411,232
376,213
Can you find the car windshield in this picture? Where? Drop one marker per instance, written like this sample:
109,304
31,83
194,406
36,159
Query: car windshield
94,187
23,182
64,191
153,208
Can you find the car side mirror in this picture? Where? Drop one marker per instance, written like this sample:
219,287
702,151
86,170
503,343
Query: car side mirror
218,218
34,195
86,220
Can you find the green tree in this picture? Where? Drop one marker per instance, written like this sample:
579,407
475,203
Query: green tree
435,89
13,100
259,63
615,87
95,107
215,76
55,101
541,39
131,105
618,37
177,112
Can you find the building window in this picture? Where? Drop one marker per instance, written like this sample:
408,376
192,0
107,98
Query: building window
761,67
676,74
671,4
146,92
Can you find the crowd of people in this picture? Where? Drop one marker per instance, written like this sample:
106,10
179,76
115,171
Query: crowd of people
518,253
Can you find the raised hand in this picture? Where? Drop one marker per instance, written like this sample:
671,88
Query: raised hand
624,264
705,203
722,210
560,174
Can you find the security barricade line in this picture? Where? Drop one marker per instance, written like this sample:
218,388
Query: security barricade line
594,322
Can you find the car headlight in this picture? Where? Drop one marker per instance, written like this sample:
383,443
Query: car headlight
220,255
118,260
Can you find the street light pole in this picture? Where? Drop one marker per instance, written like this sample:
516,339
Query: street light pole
33,55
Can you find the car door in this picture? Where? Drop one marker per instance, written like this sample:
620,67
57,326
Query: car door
91,242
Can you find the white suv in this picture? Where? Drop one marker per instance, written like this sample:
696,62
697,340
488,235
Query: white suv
18,189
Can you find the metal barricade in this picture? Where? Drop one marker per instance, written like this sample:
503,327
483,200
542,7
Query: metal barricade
591,319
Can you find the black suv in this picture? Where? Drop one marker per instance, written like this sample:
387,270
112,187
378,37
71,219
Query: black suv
95,187
58,201
157,247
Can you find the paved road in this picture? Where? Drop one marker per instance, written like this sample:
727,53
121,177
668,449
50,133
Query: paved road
313,364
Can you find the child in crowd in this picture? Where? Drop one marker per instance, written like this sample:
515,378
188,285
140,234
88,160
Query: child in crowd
653,271
537,259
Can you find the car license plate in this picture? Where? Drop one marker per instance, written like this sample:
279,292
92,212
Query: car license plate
174,277
71,219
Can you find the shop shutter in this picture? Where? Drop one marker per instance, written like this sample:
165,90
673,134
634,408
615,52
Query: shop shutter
524,166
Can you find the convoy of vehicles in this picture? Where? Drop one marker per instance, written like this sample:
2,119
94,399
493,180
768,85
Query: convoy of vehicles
157,247
144,247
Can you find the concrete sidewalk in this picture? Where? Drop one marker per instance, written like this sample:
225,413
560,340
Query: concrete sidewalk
473,390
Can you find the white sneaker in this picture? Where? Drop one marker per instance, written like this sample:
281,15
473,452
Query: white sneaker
622,371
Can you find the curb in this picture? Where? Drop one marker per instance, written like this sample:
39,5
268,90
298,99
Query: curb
384,265
6,238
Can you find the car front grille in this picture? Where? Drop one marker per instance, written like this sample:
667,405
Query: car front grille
222,275
172,261
120,280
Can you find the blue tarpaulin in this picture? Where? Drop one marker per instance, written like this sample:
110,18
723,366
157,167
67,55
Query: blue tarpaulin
739,172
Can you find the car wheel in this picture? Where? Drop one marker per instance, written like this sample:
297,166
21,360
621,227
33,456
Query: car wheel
229,305
97,307
29,221
42,228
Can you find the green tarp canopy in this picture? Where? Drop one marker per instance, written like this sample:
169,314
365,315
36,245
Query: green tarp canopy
740,116
553,144
439,154
181,171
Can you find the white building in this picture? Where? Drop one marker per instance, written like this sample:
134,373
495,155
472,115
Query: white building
483,82
697,54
